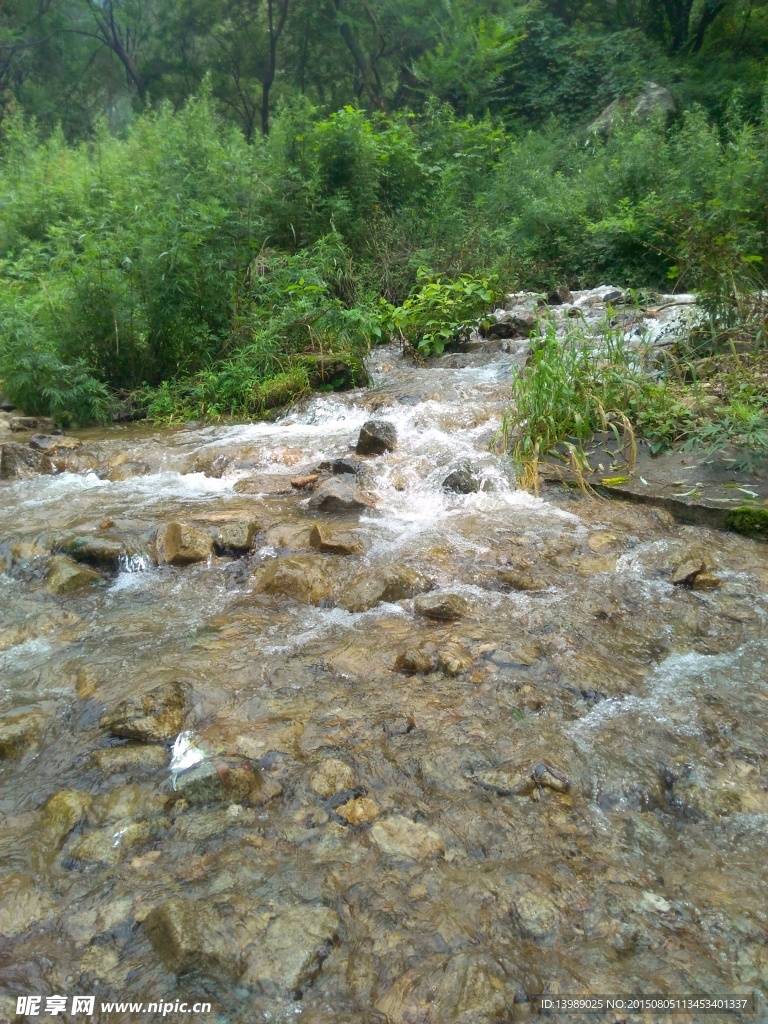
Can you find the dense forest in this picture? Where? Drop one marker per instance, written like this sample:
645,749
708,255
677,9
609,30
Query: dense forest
197,199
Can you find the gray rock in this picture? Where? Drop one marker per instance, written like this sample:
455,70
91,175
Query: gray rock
19,462
560,296
333,543
20,424
94,550
338,495
6,405
65,576
376,438
653,99
392,583
443,607
462,480
22,906
293,951
153,717
511,323
338,467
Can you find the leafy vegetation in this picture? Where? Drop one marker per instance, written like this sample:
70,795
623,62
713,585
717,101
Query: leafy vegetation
195,198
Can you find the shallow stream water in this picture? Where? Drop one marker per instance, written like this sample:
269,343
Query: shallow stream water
563,791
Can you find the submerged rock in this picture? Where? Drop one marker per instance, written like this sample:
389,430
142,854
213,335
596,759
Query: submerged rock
153,717
403,839
416,661
359,810
180,544
443,607
392,583
18,733
292,953
338,495
376,438
64,811
133,757
235,780
65,576
331,776
23,906
536,915
190,935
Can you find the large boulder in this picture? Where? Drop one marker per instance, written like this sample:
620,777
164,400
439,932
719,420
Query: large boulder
181,544
462,480
338,495
153,717
391,583
236,537
376,438
19,462
65,576
652,100
332,542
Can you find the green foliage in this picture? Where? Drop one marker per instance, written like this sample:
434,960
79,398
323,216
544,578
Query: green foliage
438,312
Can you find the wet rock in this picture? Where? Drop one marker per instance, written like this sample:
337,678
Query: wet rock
23,906
235,538
513,579
602,541
304,578
511,323
264,483
455,659
94,550
443,607
53,442
64,811
132,757
292,953
473,994
525,654
18,733
65,576
19,462
333,543
331,776
685,574
153,717
416,661
180,544
403,839
376,438
389,584
235,780
6,405
338,495
190,935
111,844
536,915
341,466
26,551
705,581
462,480
128,471
359,810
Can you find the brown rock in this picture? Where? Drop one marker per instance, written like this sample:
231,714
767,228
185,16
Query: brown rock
414,661
304,483
305,578
292,953
686,573
18,733
65,576
359,810
443,607
392,583
180,544
19,462
330,777
705,581
339,495
235,537
152,717
189,935
333,543
403,839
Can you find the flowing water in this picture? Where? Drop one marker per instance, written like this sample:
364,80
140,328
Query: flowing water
565,790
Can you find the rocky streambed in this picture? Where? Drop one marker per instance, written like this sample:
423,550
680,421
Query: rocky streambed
348,736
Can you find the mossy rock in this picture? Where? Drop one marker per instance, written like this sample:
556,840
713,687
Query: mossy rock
751,521
281,389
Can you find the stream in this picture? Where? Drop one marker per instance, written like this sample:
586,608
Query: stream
443,754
